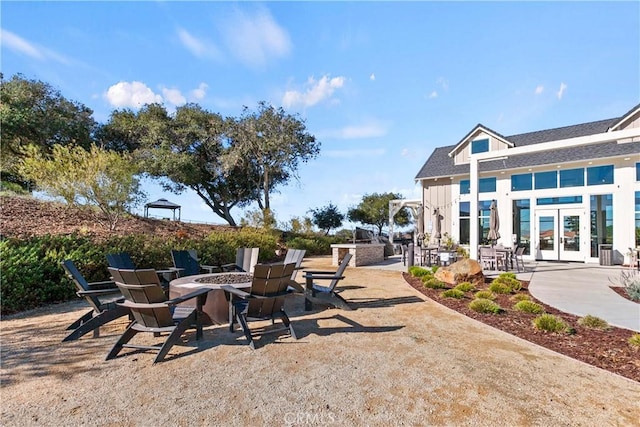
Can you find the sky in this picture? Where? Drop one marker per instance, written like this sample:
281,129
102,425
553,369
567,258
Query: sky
379,84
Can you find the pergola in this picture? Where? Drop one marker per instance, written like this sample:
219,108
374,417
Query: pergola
396,205
162,204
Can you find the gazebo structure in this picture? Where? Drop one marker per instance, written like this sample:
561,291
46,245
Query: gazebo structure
162,204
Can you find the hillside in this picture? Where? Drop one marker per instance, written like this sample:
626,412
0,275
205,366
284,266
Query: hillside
25,216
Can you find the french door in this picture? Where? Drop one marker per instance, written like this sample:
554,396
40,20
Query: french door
560,234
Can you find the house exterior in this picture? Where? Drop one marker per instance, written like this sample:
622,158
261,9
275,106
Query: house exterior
565,194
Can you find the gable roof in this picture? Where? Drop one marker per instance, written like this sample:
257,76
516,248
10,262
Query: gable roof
480,128
441,164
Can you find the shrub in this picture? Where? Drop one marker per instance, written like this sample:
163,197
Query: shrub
550,323
417,271
453,293
313,244
634,340
529,307
485,295
434,268
506,283
593,322
465,287
482,305
520,297
433,283
499,287
630,281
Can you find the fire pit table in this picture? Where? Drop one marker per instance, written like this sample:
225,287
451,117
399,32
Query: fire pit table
216,309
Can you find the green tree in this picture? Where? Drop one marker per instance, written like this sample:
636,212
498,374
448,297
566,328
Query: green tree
269,144
33,113
97,178
182,151
374,210
327,217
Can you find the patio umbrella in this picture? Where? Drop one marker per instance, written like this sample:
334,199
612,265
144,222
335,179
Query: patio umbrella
494,223
438,225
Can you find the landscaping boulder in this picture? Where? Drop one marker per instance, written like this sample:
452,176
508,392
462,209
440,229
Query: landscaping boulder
465,270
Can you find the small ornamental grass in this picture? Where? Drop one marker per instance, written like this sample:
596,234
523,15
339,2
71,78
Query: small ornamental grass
593,322
433,283
417,271
520,297
529,307
485,295
465,287
482,305
452,293
550,323
634,341
499,287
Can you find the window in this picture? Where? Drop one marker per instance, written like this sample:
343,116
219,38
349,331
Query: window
598,175
465,186
601,222
637,219
637,171
487,185
479,146
559,200
522,223
521,182
572,178
546,180
484,209
465,212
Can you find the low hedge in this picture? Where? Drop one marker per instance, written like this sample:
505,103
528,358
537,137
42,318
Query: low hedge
31,275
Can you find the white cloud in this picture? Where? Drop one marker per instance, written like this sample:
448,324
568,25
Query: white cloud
255,39
433,94
349,154
317,91
131,94
372,77
173,96
199,48
20,45
16,43
561,91
200,92
539,89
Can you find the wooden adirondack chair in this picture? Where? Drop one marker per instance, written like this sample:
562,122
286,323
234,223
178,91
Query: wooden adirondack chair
265,301
325,294
101,296
153,313
188,262
120,260
246,259
295,256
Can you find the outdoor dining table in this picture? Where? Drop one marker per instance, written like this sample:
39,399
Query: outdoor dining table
216,307
507,253
425,252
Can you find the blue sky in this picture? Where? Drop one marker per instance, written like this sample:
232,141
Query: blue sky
380,84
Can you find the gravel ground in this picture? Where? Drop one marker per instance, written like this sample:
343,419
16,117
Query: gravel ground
395,360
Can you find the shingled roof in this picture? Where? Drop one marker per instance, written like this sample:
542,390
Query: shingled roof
440,164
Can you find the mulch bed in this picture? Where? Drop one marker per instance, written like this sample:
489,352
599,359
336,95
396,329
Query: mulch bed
607,349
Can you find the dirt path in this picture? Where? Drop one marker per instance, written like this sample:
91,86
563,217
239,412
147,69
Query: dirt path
395,360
